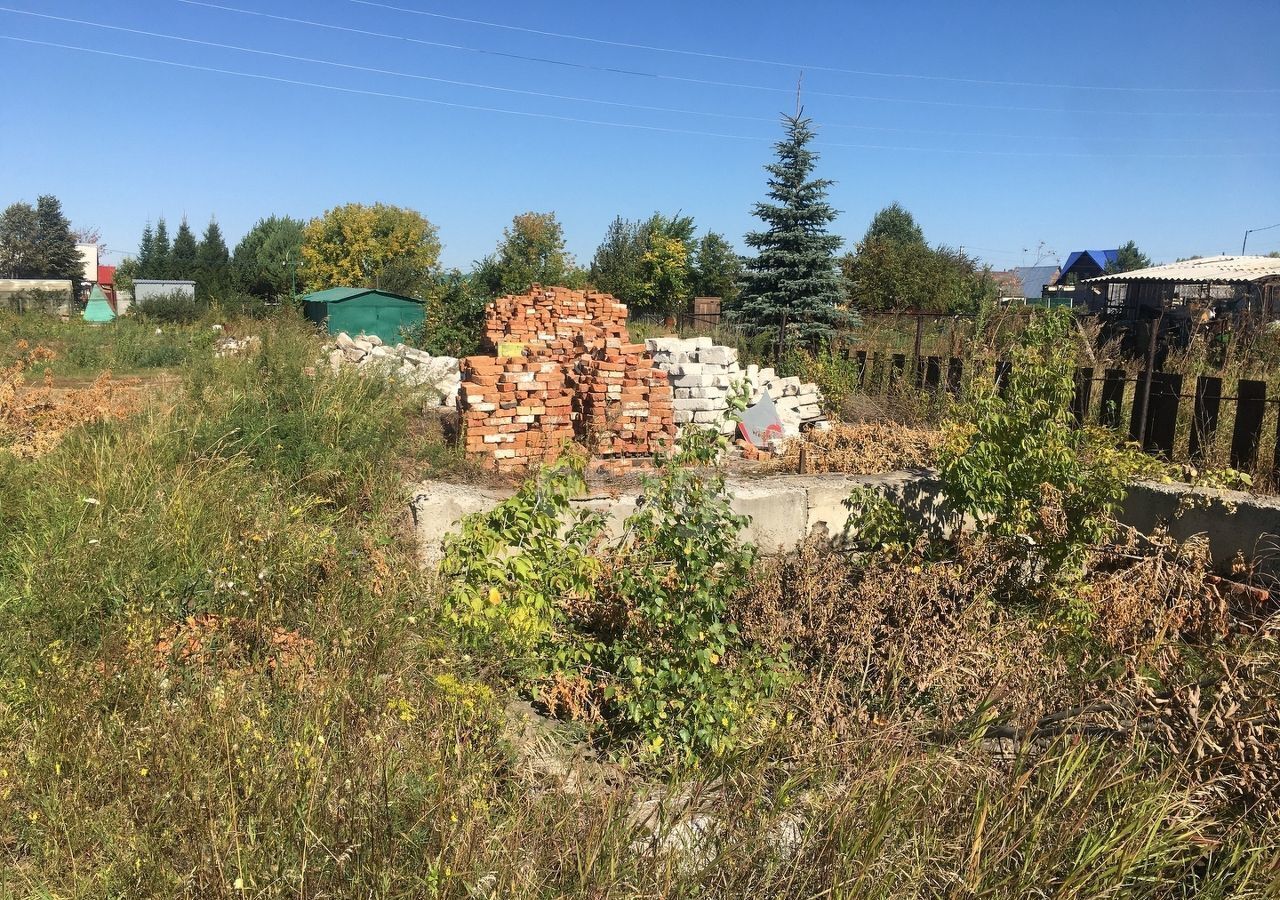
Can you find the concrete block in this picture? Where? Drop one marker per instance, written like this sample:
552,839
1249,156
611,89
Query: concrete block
720,356
778,512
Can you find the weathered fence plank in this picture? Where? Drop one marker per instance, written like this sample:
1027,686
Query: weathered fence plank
1162,414
1251,405
1113,385
1204,417
1083,395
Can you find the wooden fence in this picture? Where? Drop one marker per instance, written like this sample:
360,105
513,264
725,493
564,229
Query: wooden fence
1185,418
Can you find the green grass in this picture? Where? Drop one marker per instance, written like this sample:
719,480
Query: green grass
371,764
127,346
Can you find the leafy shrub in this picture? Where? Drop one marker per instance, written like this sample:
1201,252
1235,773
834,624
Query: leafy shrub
1015,461
233,303
516,571
173,308
836,378
37,301
637,626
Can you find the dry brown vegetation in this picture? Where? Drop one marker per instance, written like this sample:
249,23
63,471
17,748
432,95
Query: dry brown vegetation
862,448
33,419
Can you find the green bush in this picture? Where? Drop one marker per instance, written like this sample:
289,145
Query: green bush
1015,461
637,626
173,308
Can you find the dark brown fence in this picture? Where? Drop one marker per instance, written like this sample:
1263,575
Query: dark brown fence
1174,416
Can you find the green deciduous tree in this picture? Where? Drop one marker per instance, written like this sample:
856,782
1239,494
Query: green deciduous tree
1018,464
894,223
615,267
794,278
532,251
892,275
18,251
378,246
639,262
454,321
266,259
664,273
717,269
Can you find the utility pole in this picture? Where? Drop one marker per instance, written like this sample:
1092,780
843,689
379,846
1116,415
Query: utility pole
799,82
1251,231
292,264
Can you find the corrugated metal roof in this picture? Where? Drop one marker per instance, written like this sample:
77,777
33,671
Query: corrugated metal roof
338,294
1210,268
1034,278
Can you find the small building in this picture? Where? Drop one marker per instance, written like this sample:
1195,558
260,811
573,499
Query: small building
145,289
1085,264
1024,283
364,311
50,295
1195,291
98,311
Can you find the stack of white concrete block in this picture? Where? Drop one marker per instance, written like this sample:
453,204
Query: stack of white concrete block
704,375
437,375
798,402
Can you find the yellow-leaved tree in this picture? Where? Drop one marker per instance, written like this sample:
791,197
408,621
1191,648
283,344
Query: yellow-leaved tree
379,246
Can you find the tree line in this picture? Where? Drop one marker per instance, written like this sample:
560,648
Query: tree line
796,283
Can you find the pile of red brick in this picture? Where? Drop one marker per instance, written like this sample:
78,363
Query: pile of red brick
557,321
579,378
516,411
625,403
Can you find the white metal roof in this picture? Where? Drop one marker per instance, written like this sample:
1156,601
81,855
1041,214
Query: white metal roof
1210,268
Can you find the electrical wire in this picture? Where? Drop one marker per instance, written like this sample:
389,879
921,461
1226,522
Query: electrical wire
524,92
581,121
1057,111
814,66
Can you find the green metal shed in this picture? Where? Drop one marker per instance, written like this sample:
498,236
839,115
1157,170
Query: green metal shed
364,311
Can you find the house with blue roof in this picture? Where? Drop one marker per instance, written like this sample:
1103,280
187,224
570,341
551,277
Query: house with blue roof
1084,264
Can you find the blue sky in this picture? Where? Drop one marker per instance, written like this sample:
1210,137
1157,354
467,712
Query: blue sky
1182,165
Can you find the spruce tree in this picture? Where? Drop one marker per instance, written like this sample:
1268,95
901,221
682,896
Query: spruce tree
160,250
212,261
146,253
794,279
56,253
182,258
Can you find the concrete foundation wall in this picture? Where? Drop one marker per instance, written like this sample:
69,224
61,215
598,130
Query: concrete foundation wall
786,509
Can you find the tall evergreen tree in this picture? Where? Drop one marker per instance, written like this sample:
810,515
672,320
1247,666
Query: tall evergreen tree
56,253
794,279
146,261
160,251
182,258
266,259
213,262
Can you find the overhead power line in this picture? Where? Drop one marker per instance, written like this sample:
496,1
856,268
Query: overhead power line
1057,111
519,91
724,57
582,121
